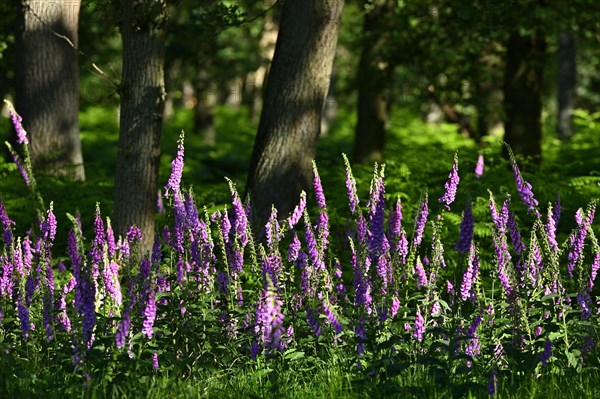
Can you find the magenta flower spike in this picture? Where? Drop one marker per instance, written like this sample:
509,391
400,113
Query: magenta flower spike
466,229
419,326
451,185
7,235
174,182
298,211
479,167
318,187
350,186
523,188
17,123
421,221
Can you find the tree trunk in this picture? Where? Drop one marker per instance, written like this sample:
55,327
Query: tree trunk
291,115
142,104
47,78
566,85
523,94
374,85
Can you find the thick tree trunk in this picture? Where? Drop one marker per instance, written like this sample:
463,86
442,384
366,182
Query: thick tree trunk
566,92
142,104
374,85
523,94
47,78
291,115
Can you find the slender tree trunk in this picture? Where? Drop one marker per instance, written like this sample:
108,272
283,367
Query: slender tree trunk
374,85
206,94
566,84
142,105
523,94
48,85
291,115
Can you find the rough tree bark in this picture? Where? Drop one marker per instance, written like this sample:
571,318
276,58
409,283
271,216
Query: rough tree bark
566,91
373,78
47,90
142,94
291,115
523,94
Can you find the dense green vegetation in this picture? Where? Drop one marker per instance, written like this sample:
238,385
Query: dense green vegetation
313,366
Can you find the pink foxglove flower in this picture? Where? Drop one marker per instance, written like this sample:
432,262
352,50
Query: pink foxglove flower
479,167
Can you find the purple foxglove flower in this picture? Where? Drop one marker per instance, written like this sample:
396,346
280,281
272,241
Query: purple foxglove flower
535,261
436,308
294,249
473,348
269,328
376,240
584,301
594,272
350,186
6,225
479,166
547,354
298,211
48,227
515,234
223,282
332,318
523,188
225,226
88,311
361,229
240,217
311,244
319,196
6,276
402,247
500,219
160,207
123,329
451,185
466,229
421,274
395,222
538,331
155,361
470,276
551,230
556,210
395,305
383,271
419,326
27,178
421,221
577,239
17,123
149,315
174,182
63,319
133,234
23,314
313,322
110,275
322,228
272,230
579,217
